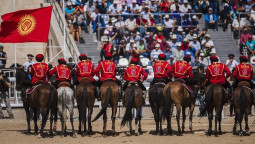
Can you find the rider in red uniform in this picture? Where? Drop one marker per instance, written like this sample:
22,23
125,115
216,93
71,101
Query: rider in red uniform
135,73
62,72
243,72
161,70
215,73
39,70
85,68
107,69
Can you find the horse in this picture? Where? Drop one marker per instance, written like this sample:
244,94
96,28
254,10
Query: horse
85,96
65,101
109,93
44,96
242,103
175,92
157,103
214,98
133,99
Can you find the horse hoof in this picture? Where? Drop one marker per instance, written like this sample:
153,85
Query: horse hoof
54,128
39,136
74,135
137,134
62,136
140,131
83,134
240,133
220,132
128,133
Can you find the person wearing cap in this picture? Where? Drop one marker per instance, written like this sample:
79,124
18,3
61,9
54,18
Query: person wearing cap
203,59
145,13
211,20
196,44
248,6
185,6
238,25
62,72
123,7
155,53
192,51
135,36
250,45
194,24
40,70
216,73
185,44
178,53
168,52
107,70
180,36
173,42
173,6
213,53
4,95
129,48
69,9
135,73
168,26
105,47
161,70
134,6
29,62
171,60
3,57
207,41
113,8
231,63
153,6
85,69
243,39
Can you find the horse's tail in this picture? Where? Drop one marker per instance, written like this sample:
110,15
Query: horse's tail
52,94
128,114
168,102
242,102
64,110
207,100
83,104
108,95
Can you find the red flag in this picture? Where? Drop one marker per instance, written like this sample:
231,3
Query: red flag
26,26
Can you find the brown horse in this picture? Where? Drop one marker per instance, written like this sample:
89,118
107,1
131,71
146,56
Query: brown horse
175,92
242,103
214,98
133,99
85,96
44,96
109,93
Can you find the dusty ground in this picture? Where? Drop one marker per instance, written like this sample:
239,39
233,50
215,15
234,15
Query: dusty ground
13,131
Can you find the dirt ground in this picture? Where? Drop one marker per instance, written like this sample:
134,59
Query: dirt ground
14,131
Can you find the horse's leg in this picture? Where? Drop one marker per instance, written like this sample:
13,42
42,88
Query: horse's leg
79,121
169,127
51,122
156,115
85,120
114,112
240,119
35,120
62,123
44,114
139,120
55,120
105,121
90,111
216,120
183,118
160,120
70,109
28,119
246,124
210,118
136,120
219,118
235,123
178,107
191,116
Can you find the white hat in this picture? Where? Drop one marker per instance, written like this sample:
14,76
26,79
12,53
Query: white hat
134,1
134,45
137,33
213,51
106,32
202,54
115,2
185,40
194,36
207,35
123,3
69,3
159,40
188,53
174,36
190,45
179,28
132,41
166,16
194,17
179,44
252,60
104,38
185,1
207,45
171,56
113,19
157,45
146,6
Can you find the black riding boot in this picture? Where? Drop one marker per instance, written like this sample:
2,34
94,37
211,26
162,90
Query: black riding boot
97,89
120,93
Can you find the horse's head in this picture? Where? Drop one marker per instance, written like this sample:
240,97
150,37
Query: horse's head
21,76
199,80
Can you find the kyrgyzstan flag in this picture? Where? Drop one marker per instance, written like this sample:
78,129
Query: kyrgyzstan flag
26,26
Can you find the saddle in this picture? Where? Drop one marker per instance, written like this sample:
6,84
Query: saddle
132,83
160,81
108,80
64,84
84,79
185,85
39,82
244,83
31,90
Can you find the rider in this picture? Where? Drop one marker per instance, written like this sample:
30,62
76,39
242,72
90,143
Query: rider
62,72
161,69
243,72
108,70
135,73
39,70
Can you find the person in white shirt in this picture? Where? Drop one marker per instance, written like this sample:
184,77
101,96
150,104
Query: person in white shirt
207,41
119,24
203,59
185,7
156,52
29,62
135,7
195,43
122,8
129,47
173,43
178,53
168,26
145,13
113,8
130,23
231,63
213,53
153,6
173,6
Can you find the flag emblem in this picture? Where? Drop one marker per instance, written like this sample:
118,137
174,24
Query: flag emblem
26,24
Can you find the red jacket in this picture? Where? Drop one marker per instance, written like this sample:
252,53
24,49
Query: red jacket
215,73
181,69
161,69
62,72
108,70
39,71
243,72
85,68
134,73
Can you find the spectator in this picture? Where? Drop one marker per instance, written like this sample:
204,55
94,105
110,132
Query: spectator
79,8
71,20
248,6
250,45
89,9
243,39
173,6
178,53
213,53
126,38
164,44
155,52
69,9
191,50
238,25
121,50
81,22
165,5
177,14
159,37
123,7
135,36
168,52
105,47
71,64
207,50
185,44
153,6
234,13
130,24
185,7
214,5
211,20
151,23
231,63
150,46
135,6
169,25
194,24
204,5
207,41
197,63
3,57
203,59
30,62
180,36
251,15
173,43
190,35
145,14
225,15
142,48
195,44
5,85
113,8
171,60
76,34
158,15
129,48
135,52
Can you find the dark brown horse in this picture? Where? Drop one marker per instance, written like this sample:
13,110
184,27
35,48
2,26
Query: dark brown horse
175,92
85,96
109,93
157,103
44,96
243,96
215,96
133,99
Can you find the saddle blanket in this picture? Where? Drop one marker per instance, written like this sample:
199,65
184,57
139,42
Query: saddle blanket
29,91
188,88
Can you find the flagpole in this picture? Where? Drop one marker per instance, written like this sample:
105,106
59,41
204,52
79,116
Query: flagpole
15,54
63,7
